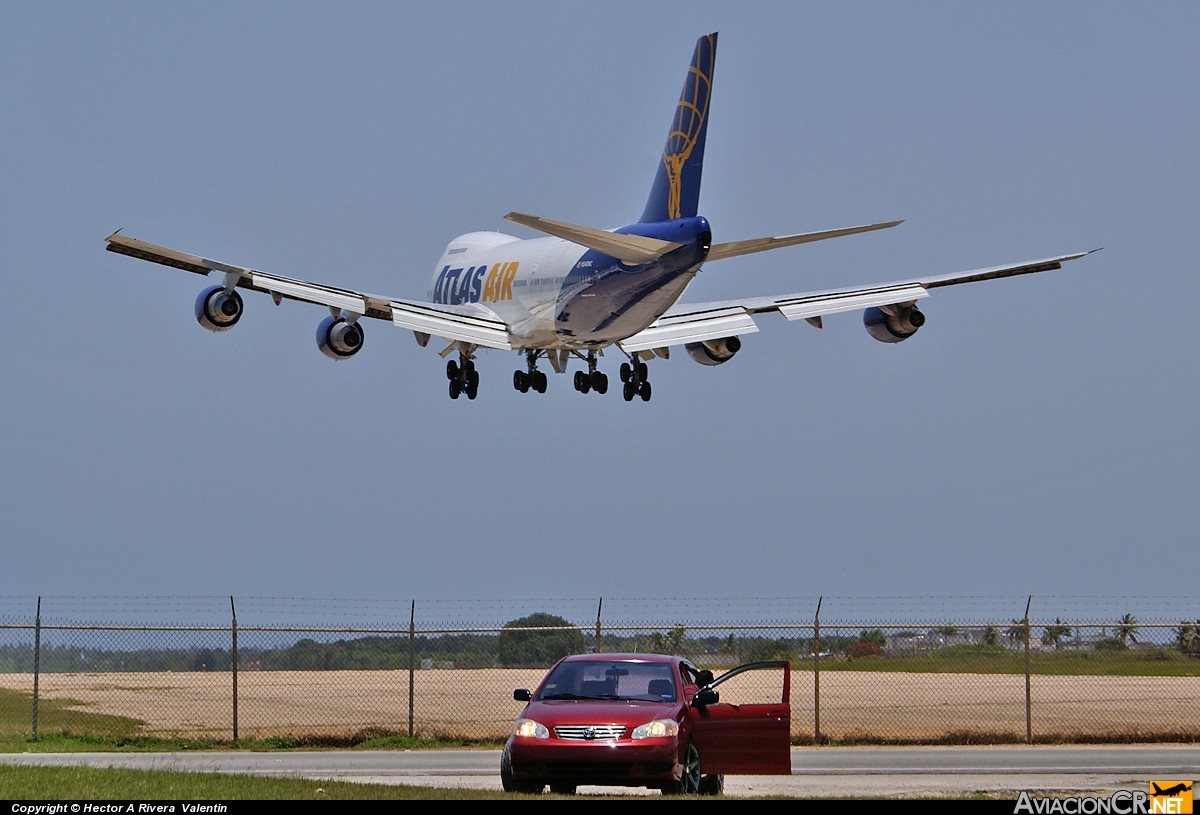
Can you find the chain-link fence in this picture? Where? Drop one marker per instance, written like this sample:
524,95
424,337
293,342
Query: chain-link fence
1120,680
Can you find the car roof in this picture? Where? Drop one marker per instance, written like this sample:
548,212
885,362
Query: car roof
631,657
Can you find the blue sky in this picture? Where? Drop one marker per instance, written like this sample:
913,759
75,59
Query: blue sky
1037,437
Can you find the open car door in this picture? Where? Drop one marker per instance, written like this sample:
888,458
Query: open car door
747,730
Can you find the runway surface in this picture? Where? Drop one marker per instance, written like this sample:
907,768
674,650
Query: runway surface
817,772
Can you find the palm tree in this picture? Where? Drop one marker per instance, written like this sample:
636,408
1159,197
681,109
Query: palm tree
1127,628
947,632
1187,637
674,640
1054,634
1017,632
991,636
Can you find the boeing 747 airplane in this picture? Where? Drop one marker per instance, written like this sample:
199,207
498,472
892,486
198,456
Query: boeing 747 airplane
580,292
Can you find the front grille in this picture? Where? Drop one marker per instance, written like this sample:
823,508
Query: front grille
590,732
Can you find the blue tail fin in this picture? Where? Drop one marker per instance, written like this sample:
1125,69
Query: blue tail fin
676,190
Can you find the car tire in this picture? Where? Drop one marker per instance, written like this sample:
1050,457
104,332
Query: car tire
690,778
511,784
560,788
712,785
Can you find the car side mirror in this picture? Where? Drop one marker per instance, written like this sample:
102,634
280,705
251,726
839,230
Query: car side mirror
522,695
705,696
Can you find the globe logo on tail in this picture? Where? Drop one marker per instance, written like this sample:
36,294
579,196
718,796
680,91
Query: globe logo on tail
690,115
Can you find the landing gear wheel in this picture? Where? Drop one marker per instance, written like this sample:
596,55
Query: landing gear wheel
583,382
521,381
645,391
626,372
599,382
455,388
452,370
627,391
689,779
539,381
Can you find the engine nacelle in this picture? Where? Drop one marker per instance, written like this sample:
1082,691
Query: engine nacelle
218,309
893,324
338,338
714,352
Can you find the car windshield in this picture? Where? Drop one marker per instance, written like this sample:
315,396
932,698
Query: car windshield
610,679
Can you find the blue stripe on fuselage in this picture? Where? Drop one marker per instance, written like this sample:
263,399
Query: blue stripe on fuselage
604,300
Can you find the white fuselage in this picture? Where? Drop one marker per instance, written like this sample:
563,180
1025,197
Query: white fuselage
553,293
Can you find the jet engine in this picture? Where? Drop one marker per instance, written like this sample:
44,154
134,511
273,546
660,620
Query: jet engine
338,338
714,352
893,323
218,309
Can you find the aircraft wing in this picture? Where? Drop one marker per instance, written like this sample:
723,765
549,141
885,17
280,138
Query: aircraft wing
696,322
471,323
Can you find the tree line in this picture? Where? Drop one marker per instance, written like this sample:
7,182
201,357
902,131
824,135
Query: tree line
533,641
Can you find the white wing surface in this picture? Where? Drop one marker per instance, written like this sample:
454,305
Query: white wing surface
474,323
696,322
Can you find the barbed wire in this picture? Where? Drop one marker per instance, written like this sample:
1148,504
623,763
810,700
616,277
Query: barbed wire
453,614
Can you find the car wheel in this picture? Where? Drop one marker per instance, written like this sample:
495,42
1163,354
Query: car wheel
689,779
511,784
712,785
560,788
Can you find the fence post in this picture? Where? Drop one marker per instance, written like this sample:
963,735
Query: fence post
37,658
817,673
412,661
1028,686
233,612
598,648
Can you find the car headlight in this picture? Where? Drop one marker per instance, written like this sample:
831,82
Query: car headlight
530,728
656,729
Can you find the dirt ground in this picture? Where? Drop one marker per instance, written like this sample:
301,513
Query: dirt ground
478,704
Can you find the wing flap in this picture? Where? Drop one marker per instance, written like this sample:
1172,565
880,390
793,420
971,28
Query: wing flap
477,327
805,307
310,292
727,321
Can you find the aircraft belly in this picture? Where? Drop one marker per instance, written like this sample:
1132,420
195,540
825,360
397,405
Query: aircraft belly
617,307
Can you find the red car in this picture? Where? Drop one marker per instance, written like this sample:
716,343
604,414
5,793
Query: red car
648,720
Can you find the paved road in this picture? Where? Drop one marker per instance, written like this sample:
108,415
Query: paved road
817,772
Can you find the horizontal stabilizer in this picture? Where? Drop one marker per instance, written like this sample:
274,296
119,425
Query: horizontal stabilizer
629,249
729,250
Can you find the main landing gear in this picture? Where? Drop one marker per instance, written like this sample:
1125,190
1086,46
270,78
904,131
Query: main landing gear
634,374
591,379
531,377
463,377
